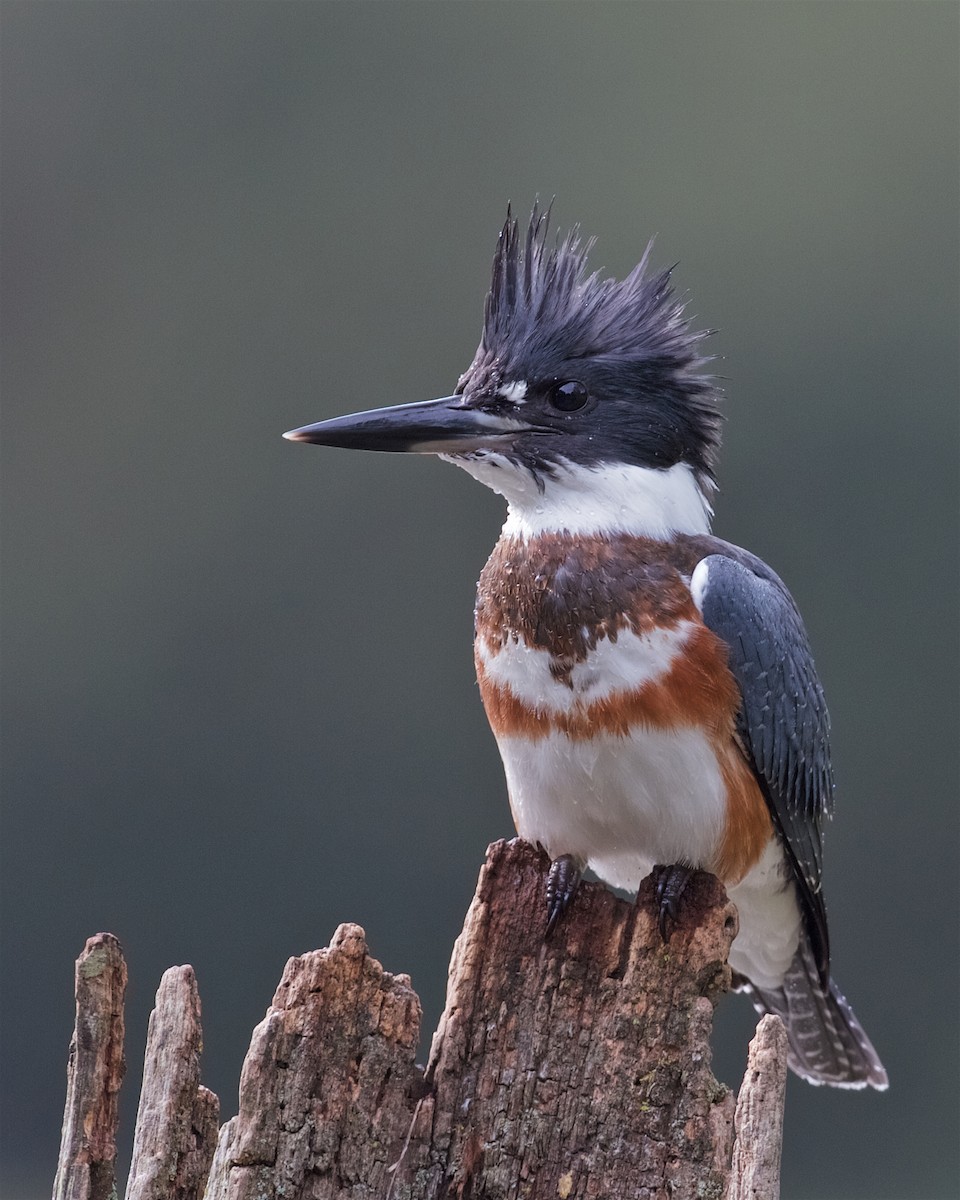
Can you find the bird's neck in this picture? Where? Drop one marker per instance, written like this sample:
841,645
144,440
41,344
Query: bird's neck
600,500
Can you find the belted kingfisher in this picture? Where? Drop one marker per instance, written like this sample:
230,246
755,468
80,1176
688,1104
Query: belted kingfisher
651,688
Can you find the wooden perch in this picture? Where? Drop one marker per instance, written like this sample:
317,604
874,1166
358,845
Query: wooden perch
328,1085
178,1119
577,1066
755,1174
86,1169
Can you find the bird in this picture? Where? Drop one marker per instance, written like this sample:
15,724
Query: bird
650,687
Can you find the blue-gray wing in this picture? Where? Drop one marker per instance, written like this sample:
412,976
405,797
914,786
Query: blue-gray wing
783,723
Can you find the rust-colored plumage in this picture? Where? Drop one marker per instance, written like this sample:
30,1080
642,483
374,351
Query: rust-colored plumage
563,595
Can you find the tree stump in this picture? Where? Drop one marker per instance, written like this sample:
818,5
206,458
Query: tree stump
755,1172
571,1066
178,1118
580,1065
86,1169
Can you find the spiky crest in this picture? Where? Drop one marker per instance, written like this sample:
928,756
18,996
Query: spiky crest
545,315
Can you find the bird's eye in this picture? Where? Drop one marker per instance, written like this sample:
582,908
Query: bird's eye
568,396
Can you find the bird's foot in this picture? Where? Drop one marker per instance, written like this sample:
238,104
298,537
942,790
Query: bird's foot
671,884
563,879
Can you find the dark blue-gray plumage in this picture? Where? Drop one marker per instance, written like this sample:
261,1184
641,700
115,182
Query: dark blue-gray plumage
783,720
784,726
627,341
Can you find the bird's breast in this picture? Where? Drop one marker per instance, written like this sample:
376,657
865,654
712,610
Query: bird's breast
613,707
590,636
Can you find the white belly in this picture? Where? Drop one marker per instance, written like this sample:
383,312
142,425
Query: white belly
620,804
770,920
623,804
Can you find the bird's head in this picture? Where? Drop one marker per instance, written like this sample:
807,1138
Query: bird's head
585,405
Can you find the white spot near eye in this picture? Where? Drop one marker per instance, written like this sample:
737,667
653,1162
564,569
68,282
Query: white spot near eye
513,392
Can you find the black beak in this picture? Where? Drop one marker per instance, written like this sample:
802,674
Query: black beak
447,426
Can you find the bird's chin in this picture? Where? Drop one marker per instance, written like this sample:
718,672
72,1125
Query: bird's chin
478,461
500,471
476,454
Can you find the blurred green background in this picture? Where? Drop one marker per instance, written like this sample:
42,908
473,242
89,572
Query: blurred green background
239,697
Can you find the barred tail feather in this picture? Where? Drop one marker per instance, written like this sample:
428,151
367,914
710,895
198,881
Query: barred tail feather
826,1043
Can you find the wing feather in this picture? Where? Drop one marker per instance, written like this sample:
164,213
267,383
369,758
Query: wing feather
783,724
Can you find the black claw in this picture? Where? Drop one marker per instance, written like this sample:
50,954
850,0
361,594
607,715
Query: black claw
563,879
671,884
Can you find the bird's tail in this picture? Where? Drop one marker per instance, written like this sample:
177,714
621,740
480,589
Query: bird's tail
826,1043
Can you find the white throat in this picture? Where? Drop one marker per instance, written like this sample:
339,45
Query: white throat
587,500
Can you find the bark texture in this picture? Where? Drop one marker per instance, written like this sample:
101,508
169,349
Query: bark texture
86,1168
328,1084
177,1119
571,1066
755,1173
577,1066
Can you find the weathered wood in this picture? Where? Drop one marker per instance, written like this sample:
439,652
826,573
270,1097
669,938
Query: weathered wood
86,1168
574,1066
177,1119
577,1066
755,1173
328,1084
